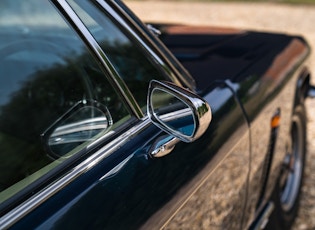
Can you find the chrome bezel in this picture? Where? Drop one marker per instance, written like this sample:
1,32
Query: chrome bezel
200,109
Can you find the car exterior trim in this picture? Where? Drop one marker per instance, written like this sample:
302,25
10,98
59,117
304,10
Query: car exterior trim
72,18
153,46
9,219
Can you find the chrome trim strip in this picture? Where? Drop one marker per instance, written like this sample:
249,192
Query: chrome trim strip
66,10
117,17
23,209
161,58
168,57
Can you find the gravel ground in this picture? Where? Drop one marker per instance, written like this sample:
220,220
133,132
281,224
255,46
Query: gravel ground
292,19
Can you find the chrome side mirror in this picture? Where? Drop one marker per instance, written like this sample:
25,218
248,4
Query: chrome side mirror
177,111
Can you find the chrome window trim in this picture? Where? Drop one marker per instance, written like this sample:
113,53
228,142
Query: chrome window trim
175,70
135,35
125,25
72,18
9,219
23,209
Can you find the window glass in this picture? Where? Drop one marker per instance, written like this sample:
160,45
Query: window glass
130,61
54,99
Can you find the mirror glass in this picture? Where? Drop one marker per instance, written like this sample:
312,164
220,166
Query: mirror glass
81,124
172,112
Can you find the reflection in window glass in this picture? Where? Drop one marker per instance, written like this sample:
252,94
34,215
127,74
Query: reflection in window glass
126,56
47,79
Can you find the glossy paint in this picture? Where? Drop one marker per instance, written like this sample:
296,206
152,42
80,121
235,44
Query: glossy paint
266,73
215,182
144,192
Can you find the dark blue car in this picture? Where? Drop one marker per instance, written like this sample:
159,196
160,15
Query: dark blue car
109,123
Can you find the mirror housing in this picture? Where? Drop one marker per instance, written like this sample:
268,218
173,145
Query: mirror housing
177,111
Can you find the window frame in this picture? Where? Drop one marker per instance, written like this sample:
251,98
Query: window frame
67,165
30,197
109,71
155,48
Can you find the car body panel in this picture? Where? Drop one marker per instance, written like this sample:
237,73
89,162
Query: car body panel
265,70
220,181
146,192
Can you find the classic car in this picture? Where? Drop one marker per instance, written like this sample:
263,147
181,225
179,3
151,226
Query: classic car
107,122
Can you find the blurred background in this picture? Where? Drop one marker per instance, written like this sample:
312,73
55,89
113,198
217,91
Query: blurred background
285,16
276,1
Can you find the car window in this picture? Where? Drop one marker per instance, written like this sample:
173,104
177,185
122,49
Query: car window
131,62
54,99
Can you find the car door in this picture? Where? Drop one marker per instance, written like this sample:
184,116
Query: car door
187,165
111,179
